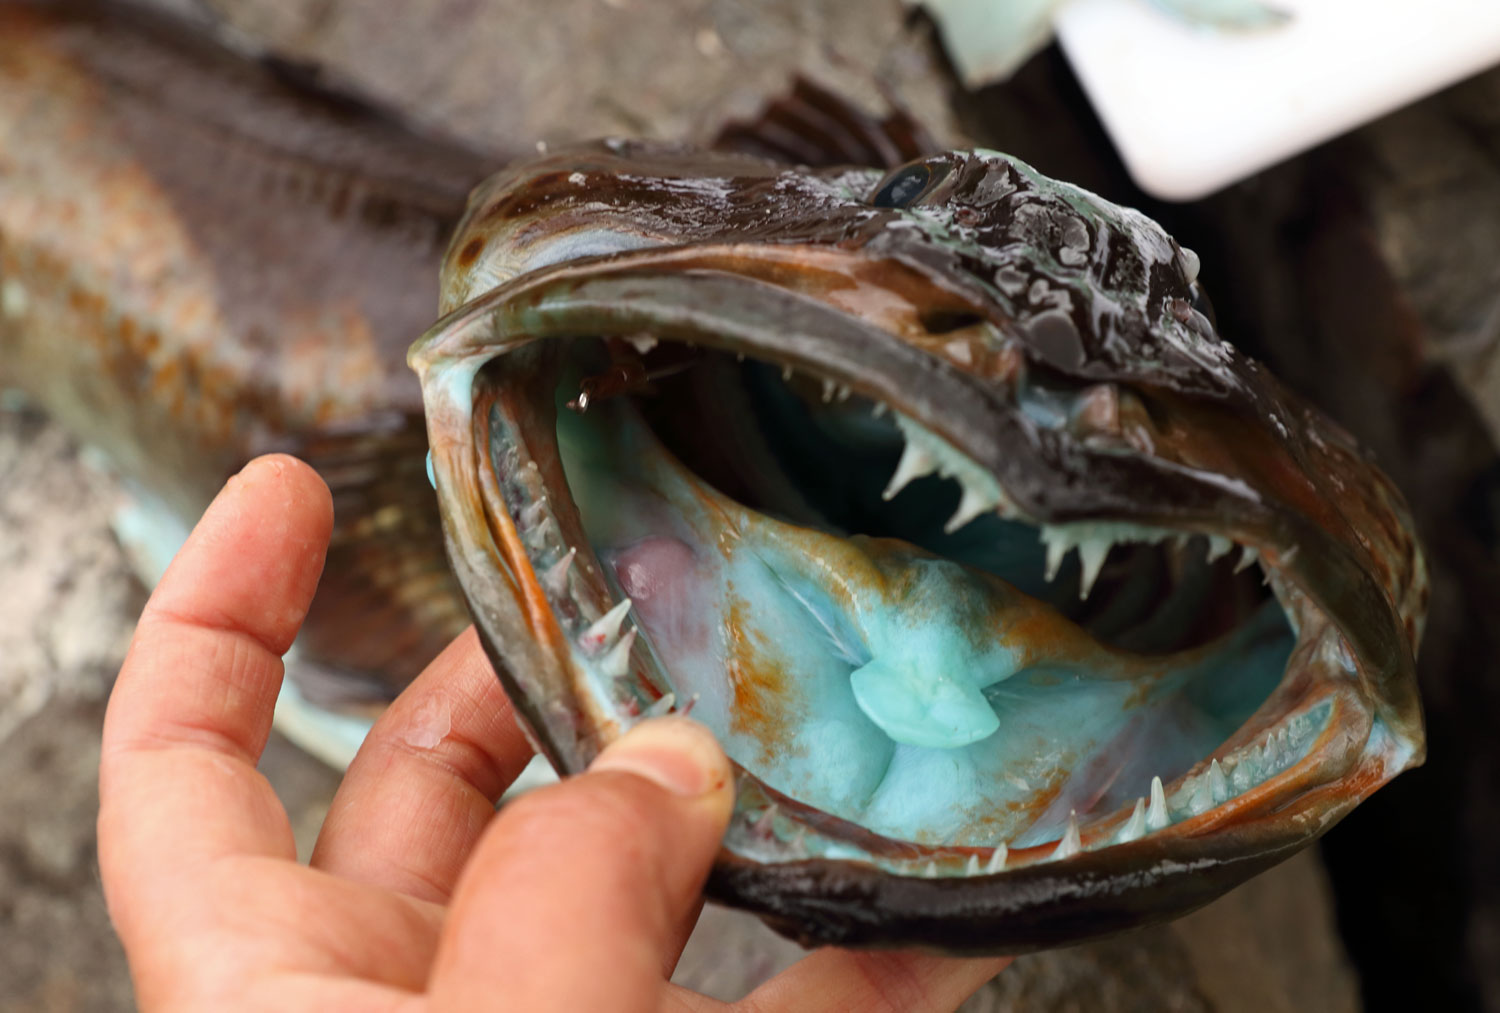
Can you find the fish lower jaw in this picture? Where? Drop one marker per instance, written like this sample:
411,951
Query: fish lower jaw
1249,777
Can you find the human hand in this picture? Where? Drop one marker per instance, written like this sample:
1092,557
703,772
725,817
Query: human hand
576,897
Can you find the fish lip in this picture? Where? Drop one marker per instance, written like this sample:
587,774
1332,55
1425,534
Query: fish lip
830,900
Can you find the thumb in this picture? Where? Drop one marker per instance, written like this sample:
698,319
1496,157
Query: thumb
574,897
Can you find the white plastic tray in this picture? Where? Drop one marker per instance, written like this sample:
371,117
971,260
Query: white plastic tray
1192,110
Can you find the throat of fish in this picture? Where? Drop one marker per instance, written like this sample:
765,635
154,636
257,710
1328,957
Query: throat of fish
918,695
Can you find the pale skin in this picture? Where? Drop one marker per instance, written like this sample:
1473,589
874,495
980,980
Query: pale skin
418,894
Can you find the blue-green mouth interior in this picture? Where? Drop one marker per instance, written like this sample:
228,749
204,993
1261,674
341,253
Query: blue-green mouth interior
932,685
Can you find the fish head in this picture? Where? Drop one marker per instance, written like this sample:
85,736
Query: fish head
1027,607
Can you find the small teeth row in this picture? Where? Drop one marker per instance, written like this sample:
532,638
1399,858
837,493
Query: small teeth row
926,454
1093,540
833,390
1224,779
1282,749
605,640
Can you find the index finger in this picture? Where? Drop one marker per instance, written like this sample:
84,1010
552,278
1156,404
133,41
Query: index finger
423,787
192,707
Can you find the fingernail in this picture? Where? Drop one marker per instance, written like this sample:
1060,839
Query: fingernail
677,753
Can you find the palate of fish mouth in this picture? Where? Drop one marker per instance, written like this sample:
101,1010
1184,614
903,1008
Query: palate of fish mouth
877,632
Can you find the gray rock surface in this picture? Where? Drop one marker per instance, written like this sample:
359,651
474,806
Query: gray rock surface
1434,171
509,73
60,954
68,595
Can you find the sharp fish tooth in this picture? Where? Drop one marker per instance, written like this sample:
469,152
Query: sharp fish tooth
1248,555
533,513
915,462
1070,844
1091,555
997,861
970,506
606,627
662,706
931,871
879,409
1218,547
1057,550
843,391
1156,814
537,536
1135,827
616,664
828,386
555,579
1202,798
972,869
1244,772
1217,786
786,373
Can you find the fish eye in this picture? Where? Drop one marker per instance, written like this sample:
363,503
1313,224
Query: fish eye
902,188
1203,304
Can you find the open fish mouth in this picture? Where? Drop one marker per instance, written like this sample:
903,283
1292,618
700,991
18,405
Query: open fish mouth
1008,649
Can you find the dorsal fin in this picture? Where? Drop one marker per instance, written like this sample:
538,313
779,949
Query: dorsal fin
812,125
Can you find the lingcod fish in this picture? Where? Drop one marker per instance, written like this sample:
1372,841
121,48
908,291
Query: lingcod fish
1028,608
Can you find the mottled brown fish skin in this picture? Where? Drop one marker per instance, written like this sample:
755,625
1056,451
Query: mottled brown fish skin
200,262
